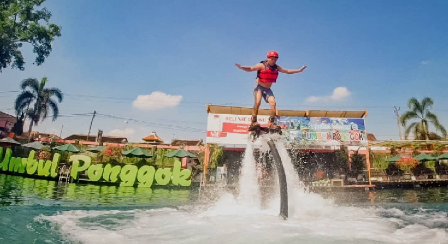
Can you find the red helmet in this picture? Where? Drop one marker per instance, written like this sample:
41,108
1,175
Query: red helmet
272,54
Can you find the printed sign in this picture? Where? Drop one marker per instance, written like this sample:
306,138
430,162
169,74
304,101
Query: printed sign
234,130
128,175
324,131
230,128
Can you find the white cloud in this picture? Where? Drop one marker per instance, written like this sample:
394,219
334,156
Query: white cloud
156,100
339,93
128,132
424,62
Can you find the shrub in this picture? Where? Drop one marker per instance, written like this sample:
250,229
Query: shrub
112,153
358,163
43,155
406,164
430,165
379,160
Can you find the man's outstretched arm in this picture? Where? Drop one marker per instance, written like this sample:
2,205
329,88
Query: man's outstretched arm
290,71
250,69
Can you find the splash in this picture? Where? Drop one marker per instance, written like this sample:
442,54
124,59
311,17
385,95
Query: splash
241,219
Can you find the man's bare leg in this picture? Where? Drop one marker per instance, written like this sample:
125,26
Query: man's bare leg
272,105
257,98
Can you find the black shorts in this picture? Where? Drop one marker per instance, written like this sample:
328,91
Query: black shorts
265,92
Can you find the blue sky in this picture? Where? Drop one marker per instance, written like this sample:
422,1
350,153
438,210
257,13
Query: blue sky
379,54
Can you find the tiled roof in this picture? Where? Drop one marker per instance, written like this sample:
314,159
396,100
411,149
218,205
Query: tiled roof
7,117
153,138
83,137
371,137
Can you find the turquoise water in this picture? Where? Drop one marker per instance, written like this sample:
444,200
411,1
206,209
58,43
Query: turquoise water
40,211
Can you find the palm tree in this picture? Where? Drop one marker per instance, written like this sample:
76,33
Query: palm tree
35,101
421,112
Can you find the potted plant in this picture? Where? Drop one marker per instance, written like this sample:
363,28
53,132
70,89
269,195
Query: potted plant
406,164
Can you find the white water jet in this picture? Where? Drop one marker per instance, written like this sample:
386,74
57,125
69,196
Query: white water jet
249,192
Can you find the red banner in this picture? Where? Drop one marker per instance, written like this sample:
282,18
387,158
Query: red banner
235,128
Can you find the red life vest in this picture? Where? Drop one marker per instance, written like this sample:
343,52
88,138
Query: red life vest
268,74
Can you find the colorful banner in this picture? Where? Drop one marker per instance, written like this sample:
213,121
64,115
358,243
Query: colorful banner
324,131
229,129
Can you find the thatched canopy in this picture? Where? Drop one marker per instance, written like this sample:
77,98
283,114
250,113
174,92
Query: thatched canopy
153,138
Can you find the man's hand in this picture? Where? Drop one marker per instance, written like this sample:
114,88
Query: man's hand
238,65
304,67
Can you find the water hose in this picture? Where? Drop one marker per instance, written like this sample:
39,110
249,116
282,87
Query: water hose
282,180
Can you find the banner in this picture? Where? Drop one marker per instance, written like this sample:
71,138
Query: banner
324,131
229,129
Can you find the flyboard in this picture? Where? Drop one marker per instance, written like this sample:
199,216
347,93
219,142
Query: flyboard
257,131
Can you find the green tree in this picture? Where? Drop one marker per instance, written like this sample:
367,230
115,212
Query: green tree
341,160
216,155
21,23
358,162
36,101
420,112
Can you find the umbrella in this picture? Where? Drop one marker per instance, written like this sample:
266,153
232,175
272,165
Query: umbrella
34,145
136,152
394,159
67,148
96,149
8,140
443,156
180,153
424,157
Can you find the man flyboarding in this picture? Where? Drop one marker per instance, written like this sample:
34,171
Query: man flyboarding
267,73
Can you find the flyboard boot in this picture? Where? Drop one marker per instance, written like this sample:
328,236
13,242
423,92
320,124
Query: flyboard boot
254,128
273,127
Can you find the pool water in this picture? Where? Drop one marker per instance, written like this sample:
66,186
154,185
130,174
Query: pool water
41,211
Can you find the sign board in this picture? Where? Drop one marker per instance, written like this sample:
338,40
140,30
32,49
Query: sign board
229,129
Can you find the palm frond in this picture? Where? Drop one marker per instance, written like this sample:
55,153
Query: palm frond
22,108
42,84
427,103
408,116
409,129
23,100
435,121
414,104
54,106
55,92
32,83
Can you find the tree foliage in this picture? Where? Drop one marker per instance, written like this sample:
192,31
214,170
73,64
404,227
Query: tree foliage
358,162
420,111
379,160
341,160
21,22
216,155
36,101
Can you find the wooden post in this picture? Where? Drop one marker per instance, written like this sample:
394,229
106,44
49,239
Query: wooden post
349,152
206,162
368,161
